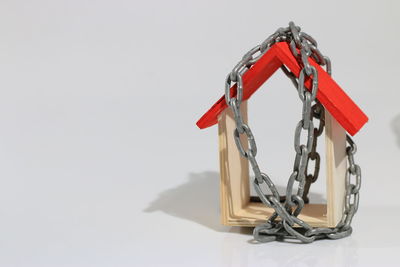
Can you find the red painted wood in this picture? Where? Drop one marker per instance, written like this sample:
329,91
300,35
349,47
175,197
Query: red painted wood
334,99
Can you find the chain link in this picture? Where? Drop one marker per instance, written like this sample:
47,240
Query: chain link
303,47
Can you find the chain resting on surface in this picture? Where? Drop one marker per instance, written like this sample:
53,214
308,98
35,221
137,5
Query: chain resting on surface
302,46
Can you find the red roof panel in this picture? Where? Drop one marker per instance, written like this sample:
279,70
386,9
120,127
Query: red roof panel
334,99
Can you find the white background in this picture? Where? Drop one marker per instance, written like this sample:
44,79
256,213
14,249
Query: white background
101,163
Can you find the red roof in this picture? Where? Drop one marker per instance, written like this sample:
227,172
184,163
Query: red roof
334,99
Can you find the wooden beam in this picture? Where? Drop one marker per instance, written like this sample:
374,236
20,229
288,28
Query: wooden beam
336,161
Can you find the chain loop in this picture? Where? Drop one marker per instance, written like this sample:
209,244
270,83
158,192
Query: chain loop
297,136
250,140
314,88
265,178
239,89
303,47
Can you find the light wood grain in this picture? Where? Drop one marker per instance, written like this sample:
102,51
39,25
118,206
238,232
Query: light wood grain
235,191
336,160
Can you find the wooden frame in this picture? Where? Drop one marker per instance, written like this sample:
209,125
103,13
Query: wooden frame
236,207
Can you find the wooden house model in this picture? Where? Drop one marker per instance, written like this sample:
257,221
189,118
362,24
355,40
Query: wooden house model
341,115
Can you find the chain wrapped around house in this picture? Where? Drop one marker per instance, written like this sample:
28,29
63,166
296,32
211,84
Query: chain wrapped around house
325,108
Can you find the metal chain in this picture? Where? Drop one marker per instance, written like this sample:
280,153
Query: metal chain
318,113
303,46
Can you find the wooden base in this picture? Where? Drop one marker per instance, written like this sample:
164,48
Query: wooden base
236,208
255,213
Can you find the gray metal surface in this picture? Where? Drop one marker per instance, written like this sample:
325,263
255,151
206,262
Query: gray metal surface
303,46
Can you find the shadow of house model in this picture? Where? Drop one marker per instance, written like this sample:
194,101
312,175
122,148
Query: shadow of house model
342,116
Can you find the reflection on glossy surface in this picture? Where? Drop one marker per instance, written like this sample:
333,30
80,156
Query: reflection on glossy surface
320,253
372,243
375,240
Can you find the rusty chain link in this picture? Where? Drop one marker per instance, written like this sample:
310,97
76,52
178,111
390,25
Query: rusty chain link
303,46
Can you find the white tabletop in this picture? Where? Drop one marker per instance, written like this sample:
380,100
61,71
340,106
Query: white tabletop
101,163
